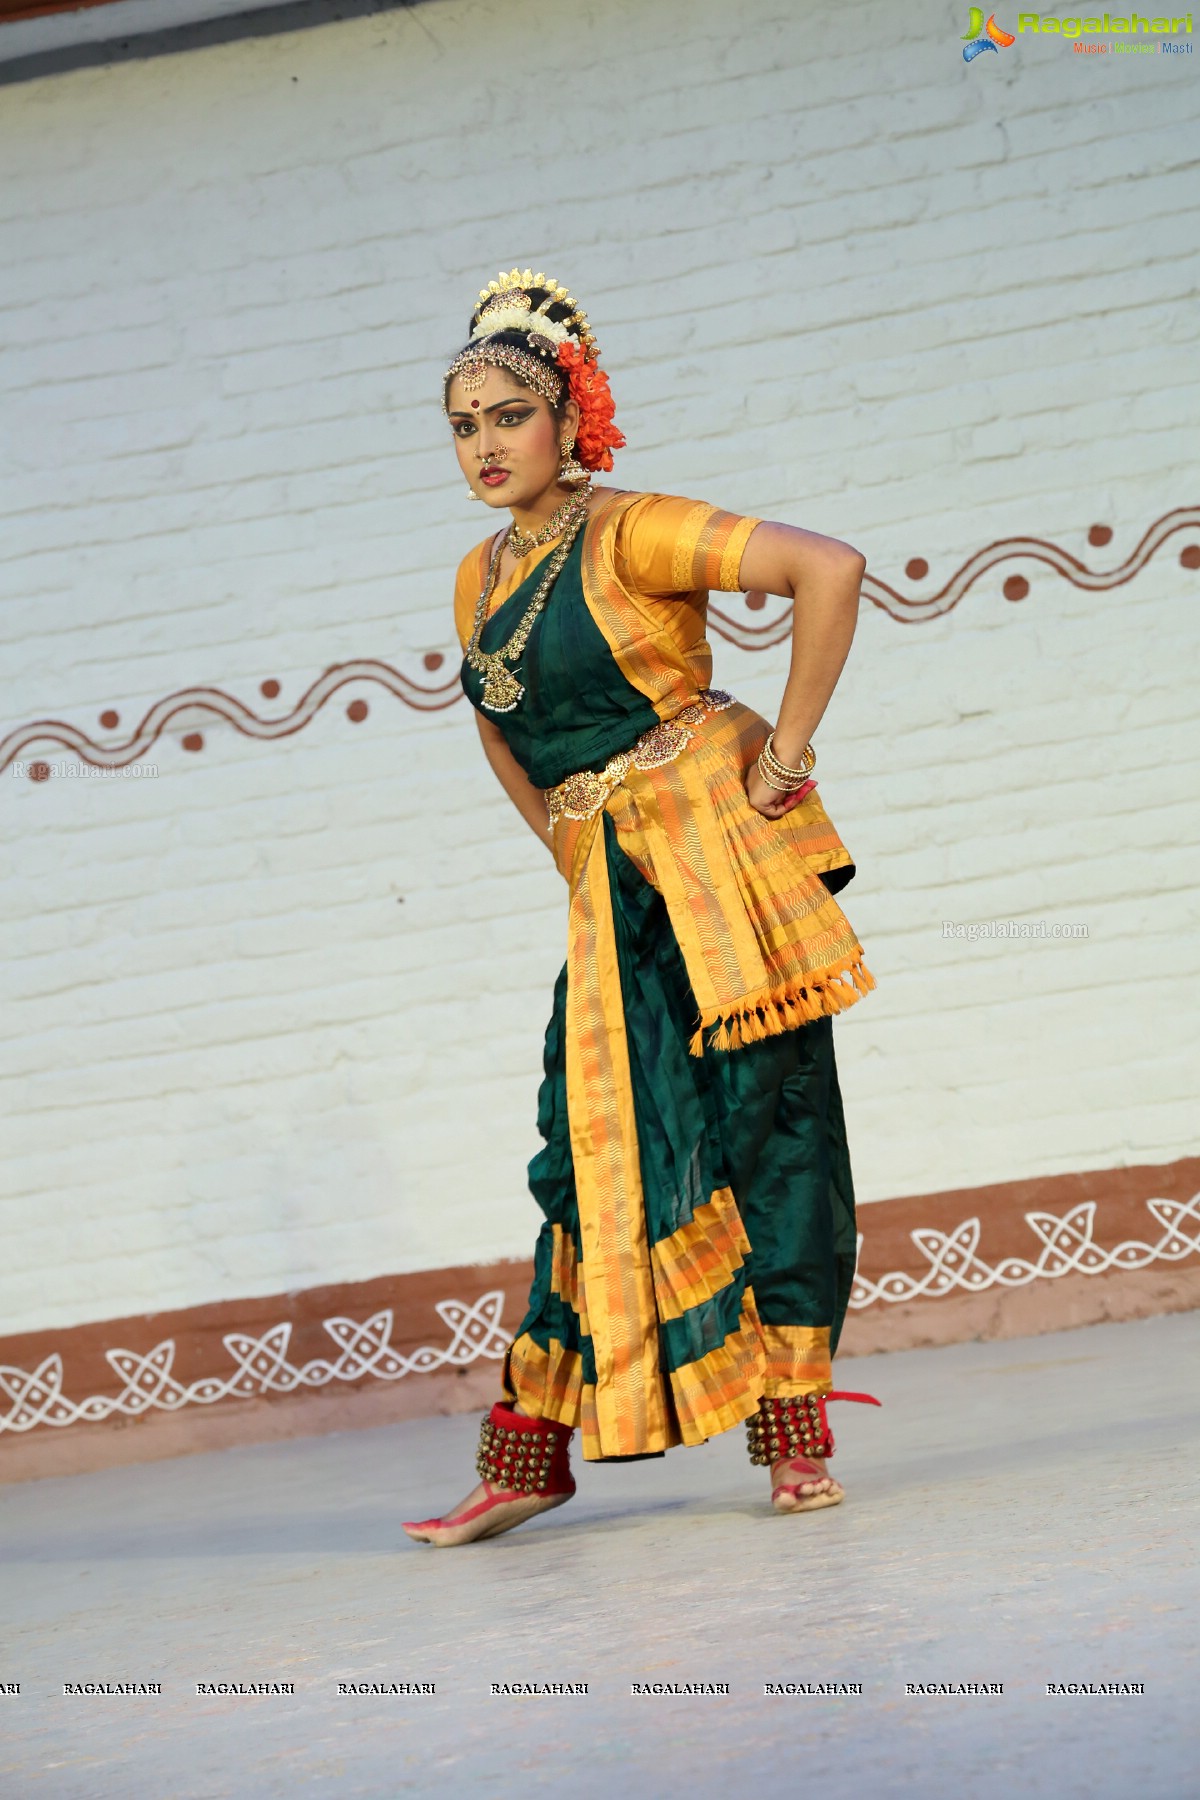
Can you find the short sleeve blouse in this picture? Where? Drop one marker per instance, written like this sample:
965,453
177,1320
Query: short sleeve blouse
671,546
667,547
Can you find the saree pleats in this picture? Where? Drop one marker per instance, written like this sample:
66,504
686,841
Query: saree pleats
718,1266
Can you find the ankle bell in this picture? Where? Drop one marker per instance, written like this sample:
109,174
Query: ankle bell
524,1455
794,1425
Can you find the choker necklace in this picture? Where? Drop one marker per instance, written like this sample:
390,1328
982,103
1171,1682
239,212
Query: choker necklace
522,542
501,689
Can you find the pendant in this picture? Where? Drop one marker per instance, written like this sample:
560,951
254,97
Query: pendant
501,689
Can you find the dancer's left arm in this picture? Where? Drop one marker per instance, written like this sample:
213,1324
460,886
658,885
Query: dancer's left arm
822,576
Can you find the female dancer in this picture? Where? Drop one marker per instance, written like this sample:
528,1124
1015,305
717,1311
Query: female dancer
699,1241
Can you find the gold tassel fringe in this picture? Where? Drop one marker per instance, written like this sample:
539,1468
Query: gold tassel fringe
776,1010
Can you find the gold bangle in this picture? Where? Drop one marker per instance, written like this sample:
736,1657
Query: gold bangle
790,777
784,770
807,761
781,787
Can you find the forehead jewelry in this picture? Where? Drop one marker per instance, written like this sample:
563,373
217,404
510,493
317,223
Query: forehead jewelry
471,367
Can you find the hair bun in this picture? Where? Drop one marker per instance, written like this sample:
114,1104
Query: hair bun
520,294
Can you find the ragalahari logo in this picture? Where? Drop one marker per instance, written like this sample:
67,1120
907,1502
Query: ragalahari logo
993,39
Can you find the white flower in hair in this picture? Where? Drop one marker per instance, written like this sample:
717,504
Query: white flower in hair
518,318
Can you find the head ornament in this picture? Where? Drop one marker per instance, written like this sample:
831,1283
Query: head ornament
562,355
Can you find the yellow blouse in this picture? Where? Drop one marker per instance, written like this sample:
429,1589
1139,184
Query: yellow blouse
662,546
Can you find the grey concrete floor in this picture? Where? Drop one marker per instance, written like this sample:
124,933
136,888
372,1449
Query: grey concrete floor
1022,1512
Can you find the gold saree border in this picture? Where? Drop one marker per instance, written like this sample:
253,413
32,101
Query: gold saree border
566,1280
550,1385
723,1387
797,1360
701,1258
547,1383
757,968
607,1166
709,1396
636,628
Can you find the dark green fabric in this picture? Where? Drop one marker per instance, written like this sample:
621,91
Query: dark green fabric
552,1184
577,709
765,1120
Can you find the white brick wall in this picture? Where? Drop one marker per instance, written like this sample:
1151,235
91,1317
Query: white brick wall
275,1017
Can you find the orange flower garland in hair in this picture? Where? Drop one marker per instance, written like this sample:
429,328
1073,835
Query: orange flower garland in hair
596,437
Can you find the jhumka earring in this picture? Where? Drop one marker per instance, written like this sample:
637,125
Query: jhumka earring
572,472
471,494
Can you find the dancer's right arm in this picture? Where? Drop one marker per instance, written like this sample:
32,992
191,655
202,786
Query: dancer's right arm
530,801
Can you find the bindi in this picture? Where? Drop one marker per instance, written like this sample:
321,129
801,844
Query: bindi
475,403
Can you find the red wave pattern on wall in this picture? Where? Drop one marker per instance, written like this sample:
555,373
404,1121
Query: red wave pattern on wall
914,611
906,610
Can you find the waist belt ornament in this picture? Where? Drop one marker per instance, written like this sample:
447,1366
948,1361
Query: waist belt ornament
586,793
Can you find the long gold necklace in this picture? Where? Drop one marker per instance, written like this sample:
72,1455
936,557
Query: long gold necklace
501,689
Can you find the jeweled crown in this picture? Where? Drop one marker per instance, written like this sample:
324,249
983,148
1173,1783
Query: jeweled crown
509,294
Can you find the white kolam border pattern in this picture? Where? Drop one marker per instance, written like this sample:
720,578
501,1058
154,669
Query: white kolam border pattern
1068,1248
35,1397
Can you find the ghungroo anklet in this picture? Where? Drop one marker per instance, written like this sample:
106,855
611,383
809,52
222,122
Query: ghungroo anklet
794,1425
524,1455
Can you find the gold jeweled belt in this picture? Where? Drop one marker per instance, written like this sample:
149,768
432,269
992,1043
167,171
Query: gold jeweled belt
586,792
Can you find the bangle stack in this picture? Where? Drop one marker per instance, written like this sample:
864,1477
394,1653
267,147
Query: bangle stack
779,775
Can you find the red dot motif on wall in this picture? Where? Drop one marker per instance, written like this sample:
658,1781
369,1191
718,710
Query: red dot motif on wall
732,625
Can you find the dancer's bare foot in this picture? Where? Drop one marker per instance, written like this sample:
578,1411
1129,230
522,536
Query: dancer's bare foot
524,1464
803,1484
486,1512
